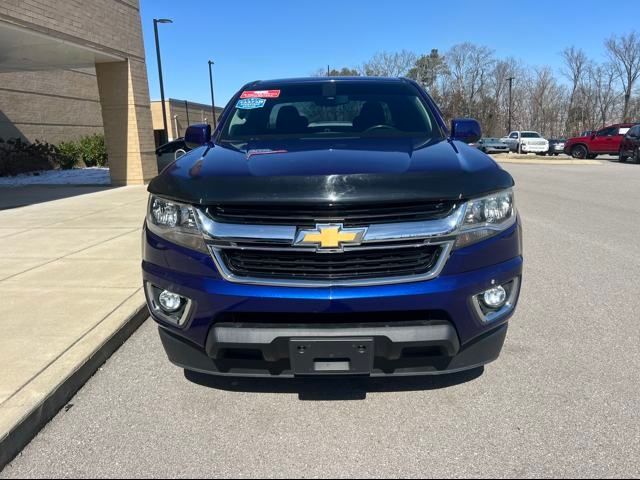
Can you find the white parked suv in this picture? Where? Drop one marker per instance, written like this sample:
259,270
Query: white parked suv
527,142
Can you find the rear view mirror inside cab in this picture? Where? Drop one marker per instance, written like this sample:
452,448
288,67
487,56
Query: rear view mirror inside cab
332,101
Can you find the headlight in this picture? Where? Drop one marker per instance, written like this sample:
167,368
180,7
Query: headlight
175,222
486,217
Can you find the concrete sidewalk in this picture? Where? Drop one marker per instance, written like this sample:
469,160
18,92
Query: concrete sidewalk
70,288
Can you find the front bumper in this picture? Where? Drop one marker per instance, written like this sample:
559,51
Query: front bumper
434,348
504,149
534,148
445,333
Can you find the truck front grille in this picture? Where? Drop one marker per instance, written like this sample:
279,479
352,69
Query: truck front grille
349,216
265,245
350,265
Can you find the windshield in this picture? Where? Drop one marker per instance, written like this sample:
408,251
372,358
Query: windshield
530,135
330,110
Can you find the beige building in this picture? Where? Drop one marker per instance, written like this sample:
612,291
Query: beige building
52,106
180,114
70,68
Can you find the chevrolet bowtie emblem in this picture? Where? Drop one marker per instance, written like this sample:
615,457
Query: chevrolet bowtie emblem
330,237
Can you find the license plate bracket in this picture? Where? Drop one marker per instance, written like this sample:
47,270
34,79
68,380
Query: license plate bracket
332,356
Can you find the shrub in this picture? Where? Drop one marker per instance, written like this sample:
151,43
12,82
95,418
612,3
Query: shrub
93,151
18,156
68,155
88,151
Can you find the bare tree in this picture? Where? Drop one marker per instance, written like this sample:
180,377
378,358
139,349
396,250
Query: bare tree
604,78
624,53
546,101
575,67
390,64
499,86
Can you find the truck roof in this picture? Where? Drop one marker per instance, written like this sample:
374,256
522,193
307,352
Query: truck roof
267,84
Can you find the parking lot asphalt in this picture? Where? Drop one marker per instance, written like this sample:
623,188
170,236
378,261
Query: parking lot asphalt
562,401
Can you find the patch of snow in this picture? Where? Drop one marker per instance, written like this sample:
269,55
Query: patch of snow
77,176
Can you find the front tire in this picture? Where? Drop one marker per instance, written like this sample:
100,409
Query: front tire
580,152
636,155
622,158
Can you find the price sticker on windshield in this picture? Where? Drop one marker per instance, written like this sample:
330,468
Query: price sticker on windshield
260,94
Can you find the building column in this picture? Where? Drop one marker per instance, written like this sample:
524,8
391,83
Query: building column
126,114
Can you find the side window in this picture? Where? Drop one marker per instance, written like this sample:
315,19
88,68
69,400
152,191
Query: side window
606,132
623,131
514,135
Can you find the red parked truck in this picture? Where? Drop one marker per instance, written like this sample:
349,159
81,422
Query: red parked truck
606,141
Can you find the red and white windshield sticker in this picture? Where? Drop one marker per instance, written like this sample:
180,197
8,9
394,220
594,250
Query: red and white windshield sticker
260,94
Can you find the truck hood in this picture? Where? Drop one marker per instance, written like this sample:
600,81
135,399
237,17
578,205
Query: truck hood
335,171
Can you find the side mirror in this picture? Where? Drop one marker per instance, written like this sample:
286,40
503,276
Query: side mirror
466,130
197,136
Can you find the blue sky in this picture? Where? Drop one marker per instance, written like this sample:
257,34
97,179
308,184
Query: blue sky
252,40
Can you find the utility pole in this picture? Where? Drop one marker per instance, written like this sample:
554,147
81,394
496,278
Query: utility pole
511,79
328,71
156,21
213,103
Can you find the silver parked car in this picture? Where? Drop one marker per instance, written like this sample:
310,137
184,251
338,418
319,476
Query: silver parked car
492,145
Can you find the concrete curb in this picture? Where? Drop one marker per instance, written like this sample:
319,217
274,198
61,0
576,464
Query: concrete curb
29,426
532,161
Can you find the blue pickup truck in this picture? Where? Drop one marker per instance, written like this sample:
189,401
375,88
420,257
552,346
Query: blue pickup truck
332,226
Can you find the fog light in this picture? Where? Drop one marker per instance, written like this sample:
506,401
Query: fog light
170,302
495,297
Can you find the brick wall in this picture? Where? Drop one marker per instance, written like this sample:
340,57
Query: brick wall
52,106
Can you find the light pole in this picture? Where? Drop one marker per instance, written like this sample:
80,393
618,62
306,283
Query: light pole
511,79
213,103
156,21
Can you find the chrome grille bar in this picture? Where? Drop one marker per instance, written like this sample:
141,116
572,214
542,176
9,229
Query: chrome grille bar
280,238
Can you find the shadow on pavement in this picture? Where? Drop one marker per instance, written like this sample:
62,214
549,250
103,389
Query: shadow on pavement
15,197
333,388
617,160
